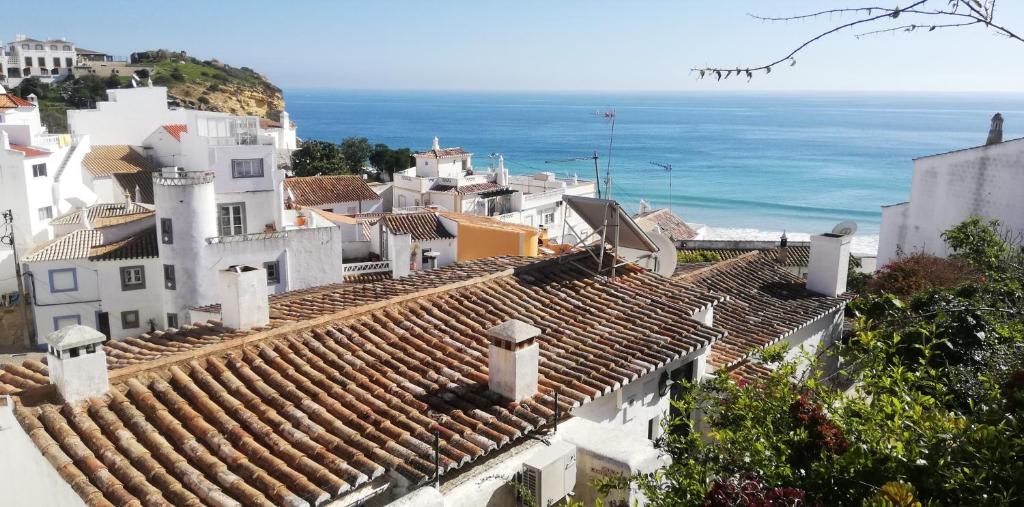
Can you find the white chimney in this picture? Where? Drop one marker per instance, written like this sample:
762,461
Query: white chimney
513,359
76,362
243,297
83,218
138,194
286,122
501,178
437,144
5,140
829,263
33,99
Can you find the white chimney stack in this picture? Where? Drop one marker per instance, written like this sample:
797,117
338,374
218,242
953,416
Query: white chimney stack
243,297
513,360
33,99
436,146
829,263
5,140
76,362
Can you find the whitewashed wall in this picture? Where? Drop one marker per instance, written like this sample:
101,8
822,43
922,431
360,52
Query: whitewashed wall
127,117
27,479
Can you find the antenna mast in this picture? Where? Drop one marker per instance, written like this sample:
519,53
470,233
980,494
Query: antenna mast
668,168
597,170
609,115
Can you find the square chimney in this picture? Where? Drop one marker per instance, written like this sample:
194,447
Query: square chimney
829,264
76,362
513,359
244,302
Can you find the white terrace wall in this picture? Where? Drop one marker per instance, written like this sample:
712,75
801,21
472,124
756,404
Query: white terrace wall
128,117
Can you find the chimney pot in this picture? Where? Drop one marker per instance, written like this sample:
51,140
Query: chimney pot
829,263
76,362
244,303
995,132
513,359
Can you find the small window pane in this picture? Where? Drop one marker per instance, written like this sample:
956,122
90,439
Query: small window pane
46,212
273,273
247,168
130,319
133,278
38,170
169,282
172,320
166,232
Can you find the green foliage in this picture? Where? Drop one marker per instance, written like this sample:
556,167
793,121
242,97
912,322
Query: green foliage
978,242
177,74
933,417
32,85
318,157
691,256
388,160
356,151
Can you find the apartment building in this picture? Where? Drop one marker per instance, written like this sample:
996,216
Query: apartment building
50,60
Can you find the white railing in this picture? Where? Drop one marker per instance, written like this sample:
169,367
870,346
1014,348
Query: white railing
170,177
360,268
255,236
533,200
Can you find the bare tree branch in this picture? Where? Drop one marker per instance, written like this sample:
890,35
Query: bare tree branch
970,12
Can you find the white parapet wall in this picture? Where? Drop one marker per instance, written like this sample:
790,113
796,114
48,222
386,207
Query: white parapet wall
27,479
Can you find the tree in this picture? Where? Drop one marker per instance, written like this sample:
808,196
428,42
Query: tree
919,15
32,85
934,415
318,157
356,151
978,242
388,161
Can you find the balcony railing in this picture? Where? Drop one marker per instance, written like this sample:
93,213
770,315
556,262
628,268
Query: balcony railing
172,177
256,236
360,268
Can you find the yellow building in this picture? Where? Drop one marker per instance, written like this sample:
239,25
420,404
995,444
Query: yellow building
480,237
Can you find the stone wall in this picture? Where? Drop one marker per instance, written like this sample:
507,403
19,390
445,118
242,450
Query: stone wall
12,330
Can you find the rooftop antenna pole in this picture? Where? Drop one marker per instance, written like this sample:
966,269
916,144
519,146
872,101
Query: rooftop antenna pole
8,239
597,170
667,167
608,115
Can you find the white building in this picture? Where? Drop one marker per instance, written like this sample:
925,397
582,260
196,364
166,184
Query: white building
948,188
49,60
40,178
445,177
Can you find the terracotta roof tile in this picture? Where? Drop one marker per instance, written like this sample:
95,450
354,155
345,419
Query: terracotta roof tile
765,304
107,214
473,188
323,190
306,412
796,255
143,180
12,101
423,226
444,152
176,130
88,244
29,151
105,160
670,224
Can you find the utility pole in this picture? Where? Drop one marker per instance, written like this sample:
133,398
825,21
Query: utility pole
667,167
8,239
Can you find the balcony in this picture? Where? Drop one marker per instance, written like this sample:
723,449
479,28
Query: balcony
172,177
361,268
256,236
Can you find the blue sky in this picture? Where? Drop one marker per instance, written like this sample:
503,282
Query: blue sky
533,44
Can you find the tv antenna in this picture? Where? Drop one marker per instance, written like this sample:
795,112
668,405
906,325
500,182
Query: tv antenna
609,116
667,168
597,169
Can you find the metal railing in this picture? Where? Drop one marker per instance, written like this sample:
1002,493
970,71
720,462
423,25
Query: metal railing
172,177
255,236
366,267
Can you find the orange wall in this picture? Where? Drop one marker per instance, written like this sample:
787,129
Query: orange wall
476,242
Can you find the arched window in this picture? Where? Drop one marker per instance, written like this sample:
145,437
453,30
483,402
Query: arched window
67,48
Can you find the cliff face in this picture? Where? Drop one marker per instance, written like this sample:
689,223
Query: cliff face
210,85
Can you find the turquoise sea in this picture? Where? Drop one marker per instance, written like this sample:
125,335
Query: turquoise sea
794,161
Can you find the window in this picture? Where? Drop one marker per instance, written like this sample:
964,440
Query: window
172,320
247,168
68,62
39,47
273,272
401,201
46,212
63,280
41,60
166,232
53,47
56,62
63,321
28,61
67,48
231,218
130,319
24,46
133,278
38,170
169,282
548,217
654,427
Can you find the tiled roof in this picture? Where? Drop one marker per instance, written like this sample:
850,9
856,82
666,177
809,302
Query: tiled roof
670,224
105,160
88,244
766,303
473,188
29,151
423,226
11,101
444,152
323,190
143,180
107,214
176,130
796,255
490,222
307,412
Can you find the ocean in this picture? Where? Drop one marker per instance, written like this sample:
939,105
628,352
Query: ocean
747,164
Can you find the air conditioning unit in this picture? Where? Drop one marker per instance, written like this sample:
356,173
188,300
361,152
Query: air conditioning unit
549,476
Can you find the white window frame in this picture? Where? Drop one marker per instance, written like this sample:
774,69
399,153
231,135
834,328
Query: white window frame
133,278
231,223
544,217
46,212
39,170
273,272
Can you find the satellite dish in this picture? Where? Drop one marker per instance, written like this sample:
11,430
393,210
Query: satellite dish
845,228
665,257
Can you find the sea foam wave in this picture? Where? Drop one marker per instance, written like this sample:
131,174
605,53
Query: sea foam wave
862,244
